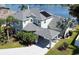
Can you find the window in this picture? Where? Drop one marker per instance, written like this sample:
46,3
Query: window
27,17
45,21
38,21
24,21
31,20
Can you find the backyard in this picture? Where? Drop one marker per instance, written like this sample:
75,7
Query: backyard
70,50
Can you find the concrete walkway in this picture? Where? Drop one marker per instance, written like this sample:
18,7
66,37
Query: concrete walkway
31,50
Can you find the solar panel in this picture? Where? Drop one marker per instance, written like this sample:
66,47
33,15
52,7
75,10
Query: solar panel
45,14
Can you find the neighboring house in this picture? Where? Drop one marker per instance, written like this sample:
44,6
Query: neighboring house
5,12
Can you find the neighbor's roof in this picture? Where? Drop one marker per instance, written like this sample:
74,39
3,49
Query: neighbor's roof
3,6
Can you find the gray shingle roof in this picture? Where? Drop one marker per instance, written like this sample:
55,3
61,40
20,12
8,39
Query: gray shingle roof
46,33
55,20
31,27
3,6
21,15
36,13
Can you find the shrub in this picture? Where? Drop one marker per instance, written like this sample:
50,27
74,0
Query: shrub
3,38
63,46
26,37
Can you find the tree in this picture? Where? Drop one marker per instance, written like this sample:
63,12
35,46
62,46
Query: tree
2,34
3,39
23,7
10,19
74,11
2,21
65,5
8,27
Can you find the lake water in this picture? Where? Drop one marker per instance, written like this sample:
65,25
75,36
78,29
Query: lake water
57,10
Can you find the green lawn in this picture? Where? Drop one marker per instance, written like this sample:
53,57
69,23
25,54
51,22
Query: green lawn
10,45
69,51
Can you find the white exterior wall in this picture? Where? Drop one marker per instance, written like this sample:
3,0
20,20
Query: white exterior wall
77,41
26,22
45,24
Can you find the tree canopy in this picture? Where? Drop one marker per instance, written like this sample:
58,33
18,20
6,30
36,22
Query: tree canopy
23,6
27,37
10,19
74,10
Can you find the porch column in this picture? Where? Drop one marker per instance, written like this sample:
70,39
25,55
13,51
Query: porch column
50,43
36,41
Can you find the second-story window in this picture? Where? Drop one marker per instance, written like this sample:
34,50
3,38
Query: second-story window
27,17
45,21
38,21
24,22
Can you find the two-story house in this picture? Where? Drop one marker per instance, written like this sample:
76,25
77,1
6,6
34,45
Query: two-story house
35,16
41,22
37,21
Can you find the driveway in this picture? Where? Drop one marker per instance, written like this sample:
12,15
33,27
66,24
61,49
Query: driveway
31,50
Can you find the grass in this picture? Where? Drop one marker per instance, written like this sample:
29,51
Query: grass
69,51
10,44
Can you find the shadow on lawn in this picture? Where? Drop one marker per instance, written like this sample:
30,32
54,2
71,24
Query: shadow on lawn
76,51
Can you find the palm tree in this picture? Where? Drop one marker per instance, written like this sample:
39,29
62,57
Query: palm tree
9,21
7,31
2,21
23,6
